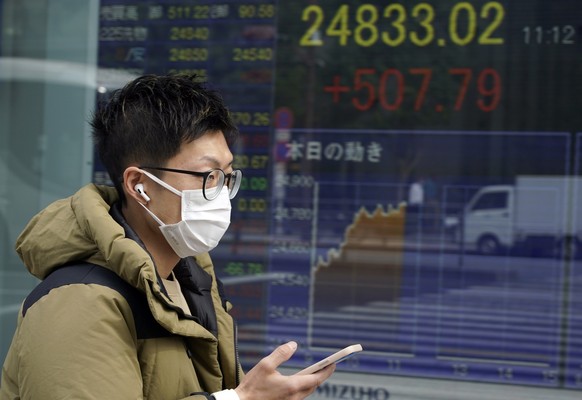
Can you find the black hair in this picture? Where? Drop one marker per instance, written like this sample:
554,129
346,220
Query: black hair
147,121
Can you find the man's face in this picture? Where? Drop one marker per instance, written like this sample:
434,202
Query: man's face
201,155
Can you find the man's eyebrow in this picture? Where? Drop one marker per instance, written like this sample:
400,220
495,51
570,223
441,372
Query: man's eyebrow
215,161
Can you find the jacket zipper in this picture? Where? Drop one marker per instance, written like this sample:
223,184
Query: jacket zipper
188,351
236,359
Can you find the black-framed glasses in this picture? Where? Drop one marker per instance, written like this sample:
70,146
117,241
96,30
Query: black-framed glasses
214,180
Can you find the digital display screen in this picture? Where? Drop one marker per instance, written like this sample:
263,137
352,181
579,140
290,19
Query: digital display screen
347,108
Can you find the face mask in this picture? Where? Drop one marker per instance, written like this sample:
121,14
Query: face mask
203,222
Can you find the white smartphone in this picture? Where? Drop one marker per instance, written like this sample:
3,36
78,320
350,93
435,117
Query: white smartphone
334,358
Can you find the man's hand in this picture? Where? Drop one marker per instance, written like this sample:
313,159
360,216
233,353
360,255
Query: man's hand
265,383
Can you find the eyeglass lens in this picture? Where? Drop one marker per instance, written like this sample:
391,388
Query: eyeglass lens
215,182
234,182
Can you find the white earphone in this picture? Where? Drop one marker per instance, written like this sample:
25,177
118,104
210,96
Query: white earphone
139,188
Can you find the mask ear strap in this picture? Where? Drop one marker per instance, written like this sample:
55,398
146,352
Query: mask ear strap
159,221
161,183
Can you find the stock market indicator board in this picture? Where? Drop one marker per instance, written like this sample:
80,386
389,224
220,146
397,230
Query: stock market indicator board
345,108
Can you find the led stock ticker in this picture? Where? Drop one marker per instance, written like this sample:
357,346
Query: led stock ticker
421,25
398,24
392,88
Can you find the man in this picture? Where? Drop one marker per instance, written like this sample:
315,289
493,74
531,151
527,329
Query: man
414,208
129,306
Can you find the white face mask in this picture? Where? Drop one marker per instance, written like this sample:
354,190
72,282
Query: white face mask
203,222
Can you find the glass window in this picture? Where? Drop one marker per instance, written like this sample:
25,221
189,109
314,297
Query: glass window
491,201
342,106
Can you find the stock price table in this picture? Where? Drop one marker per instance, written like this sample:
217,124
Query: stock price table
373,96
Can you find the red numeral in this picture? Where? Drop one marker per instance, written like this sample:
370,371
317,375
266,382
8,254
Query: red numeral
467,74
489,85
367,86
398,93
421,94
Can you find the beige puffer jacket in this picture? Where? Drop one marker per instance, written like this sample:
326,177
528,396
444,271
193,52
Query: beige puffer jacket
82,340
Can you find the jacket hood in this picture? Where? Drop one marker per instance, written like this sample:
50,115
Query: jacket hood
80,228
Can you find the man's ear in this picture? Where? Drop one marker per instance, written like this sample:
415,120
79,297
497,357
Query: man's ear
134,184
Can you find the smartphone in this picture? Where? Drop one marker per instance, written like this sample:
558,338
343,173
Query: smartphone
334,358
